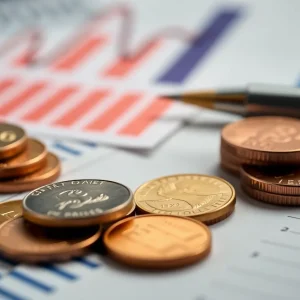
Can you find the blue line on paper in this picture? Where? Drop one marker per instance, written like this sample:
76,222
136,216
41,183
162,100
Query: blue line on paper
203,44
59,272
87,262
30,281
8,295
67,149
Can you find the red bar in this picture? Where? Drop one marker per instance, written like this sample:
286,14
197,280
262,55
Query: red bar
79,53
112,114
78,111
49,104
145,118
22,97
6,84
122,67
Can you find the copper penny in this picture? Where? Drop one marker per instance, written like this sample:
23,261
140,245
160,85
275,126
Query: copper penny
10,210
273,179
270,197
28,161
13,140
47,174
158,241
37,244
258,140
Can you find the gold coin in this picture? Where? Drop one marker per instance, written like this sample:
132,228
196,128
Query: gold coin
158,241
47,174
13,140
208,199
30,160
271,198
263,140
10,210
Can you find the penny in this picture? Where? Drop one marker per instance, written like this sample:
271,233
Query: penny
13,140
206,198
158,241
81,202
258,140
47,174
28,161
230,163
10,210
283,180
38,244
271,198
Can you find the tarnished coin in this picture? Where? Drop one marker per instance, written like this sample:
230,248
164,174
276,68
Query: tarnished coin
157,241
47,174
38,244
283,180
263,140
28,161
10,210
13,140
81,202
270,197
206,198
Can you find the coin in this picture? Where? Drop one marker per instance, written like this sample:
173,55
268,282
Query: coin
10,210
258,140
131,213
271,198
28,161
81,202
37,244
47,174
158,241
13,140
230,163
206,198
283,180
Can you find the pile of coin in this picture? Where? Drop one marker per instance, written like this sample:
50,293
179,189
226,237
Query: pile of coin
25,163
265,153
61,220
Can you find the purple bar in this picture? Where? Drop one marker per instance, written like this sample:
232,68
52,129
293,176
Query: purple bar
202,45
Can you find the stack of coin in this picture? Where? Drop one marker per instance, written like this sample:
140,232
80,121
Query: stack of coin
61,220
265,153
25,163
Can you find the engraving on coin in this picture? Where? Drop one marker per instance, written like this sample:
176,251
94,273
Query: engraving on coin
277,134
10,210
184,195
78,199
37,243
7,136
12,140
158,241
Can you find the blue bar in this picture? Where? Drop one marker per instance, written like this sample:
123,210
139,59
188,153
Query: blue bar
60,272
65,148
30,281
202,45
9,295
88,263
89,144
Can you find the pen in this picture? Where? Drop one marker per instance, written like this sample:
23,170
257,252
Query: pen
255,100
